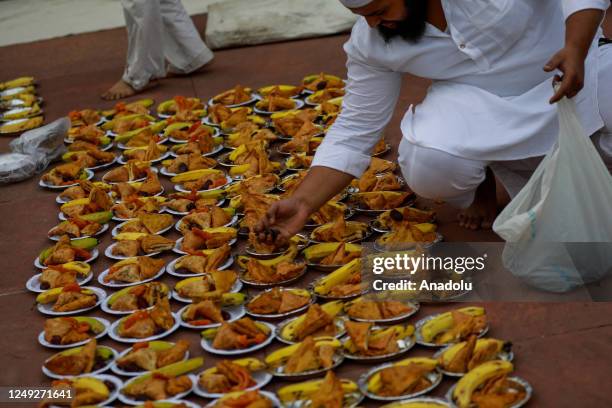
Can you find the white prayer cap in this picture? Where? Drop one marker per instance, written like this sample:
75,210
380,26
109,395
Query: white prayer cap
355,3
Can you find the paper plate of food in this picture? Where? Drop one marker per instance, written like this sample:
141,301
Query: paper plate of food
366,342
67,332
307,359
130,172
184,132
207,313
157,224
207,217
148,356
261,250
204,150
88,360
275,103
235,97
451,327
324,95
93,159
490,381
64,176
380,309
153,153
341,230
263,273
132,208
241,336
170,382
408,236
145,325
65,250
278,302
328,212
183,163
317,82
69,299
342,284
376,202
251,398
330,256
226,376
325,392
97,390
76,229
202,263
457,359
286,91
221,285
201,180
317,321
184,203
196,240
401,380
132,271
385,221
131,299
137,244
419,402
56,276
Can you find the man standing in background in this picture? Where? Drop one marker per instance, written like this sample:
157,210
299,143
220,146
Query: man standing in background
162,40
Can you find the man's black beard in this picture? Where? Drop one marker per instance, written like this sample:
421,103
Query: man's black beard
413,27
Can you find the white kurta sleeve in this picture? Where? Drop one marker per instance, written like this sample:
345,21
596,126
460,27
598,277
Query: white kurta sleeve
367,107
572,6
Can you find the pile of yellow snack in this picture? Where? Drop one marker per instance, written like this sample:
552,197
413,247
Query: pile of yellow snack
20,108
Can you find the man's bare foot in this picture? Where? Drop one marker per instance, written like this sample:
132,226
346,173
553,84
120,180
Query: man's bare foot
118,91
483,210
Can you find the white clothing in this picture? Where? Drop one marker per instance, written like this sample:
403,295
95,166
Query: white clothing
432,173
355,3
489,98
160,31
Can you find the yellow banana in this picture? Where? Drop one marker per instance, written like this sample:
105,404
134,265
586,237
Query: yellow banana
331,308
51,295
232,299
17,83
21,125
444,322
375,382
171,370
474,378
90,384
250,363
279,356
194,175
319,251
306,390
337,277
481,344
288,256
129,236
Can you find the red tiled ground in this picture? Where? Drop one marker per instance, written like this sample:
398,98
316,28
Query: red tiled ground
562,349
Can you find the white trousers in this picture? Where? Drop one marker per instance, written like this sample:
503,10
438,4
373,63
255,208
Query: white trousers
160,31
438,175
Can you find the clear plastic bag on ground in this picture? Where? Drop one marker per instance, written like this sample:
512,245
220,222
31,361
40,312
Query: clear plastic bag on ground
558,228
33,151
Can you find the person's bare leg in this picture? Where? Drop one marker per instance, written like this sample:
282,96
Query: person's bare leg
483,210
120,90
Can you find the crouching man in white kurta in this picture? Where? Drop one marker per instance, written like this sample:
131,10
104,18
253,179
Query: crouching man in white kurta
492,63
162,39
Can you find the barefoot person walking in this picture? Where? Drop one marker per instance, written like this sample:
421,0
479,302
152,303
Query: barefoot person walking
489,107
161,39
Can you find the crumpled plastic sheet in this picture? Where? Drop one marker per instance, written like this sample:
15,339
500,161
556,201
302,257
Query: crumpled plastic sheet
33,151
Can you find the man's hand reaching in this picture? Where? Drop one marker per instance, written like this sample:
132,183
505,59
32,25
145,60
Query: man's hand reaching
283,220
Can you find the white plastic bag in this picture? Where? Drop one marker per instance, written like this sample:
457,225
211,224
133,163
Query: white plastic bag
33,151
558,229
